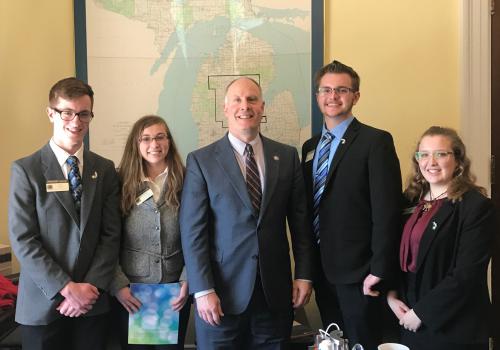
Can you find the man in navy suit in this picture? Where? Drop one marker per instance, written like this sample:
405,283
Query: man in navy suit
64,227
353,185
238,194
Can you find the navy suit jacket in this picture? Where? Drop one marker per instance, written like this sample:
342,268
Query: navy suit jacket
225,244
52,243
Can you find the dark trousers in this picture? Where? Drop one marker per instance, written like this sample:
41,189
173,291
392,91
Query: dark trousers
257,328
120,316
80,333
363,319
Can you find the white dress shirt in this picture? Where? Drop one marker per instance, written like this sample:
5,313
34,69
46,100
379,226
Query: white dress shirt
156,184
62,156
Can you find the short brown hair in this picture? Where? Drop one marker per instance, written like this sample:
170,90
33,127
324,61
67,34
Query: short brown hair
338,68
70,88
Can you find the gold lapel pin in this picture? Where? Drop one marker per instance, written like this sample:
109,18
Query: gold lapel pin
94,175
276,158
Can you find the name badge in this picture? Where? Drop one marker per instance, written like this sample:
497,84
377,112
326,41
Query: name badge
143,197
309,156
57,186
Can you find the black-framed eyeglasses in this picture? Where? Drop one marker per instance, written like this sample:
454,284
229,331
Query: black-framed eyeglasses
158,138
68,115
340,90
424,155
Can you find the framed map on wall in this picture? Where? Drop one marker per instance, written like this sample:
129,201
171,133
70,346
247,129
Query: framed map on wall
175,58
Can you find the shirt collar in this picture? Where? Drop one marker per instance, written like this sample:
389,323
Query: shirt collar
339,130
239,146
160,176
62,155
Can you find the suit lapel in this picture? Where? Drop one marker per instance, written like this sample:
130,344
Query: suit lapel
433,230
52,171
349,136
272,162
90,177
308,166
224,155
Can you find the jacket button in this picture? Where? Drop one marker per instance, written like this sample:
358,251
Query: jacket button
255,257
157,228
157,261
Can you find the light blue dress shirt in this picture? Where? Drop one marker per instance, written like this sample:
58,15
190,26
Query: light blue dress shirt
338,133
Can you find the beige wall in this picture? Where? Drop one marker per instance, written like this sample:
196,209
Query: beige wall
36,49
407,54
405,51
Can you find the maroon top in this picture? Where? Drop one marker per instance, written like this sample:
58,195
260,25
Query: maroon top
414,230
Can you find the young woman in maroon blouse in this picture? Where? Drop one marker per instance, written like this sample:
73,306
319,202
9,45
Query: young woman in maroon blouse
443,302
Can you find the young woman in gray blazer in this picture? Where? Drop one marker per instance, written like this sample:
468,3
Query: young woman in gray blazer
152,175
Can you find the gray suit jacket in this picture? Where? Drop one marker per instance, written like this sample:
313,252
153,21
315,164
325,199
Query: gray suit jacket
223,240
151,245
55,246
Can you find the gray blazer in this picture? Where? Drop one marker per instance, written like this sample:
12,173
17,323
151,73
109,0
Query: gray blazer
54,245
151,245
225,242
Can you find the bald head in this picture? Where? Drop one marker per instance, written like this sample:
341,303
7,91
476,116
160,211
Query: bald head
242,78
244,107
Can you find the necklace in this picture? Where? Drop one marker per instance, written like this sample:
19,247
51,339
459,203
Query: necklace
428,204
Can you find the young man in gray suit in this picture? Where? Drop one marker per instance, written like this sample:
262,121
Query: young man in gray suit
64,227
238,194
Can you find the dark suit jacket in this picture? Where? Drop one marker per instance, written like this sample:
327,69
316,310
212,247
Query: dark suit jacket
55,246
225,243
451,284
360,220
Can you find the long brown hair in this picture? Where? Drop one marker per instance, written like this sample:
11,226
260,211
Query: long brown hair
132,166
462,181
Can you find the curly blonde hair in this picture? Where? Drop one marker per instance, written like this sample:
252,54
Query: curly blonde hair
463,180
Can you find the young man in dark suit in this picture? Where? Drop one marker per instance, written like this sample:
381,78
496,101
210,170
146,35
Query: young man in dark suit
239,193
353,184
64,227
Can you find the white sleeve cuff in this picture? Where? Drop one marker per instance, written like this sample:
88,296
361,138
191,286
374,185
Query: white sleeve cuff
204,292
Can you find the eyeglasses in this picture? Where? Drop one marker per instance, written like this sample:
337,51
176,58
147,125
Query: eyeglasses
424,155
341,90
68,115
148,139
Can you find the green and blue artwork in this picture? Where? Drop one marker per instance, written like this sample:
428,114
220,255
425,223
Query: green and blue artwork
155,322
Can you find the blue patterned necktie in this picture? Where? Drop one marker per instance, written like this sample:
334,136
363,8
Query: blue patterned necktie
320,178
253,178
75,181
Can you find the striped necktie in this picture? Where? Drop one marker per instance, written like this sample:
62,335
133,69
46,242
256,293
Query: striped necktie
320,178
75,181
253,179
